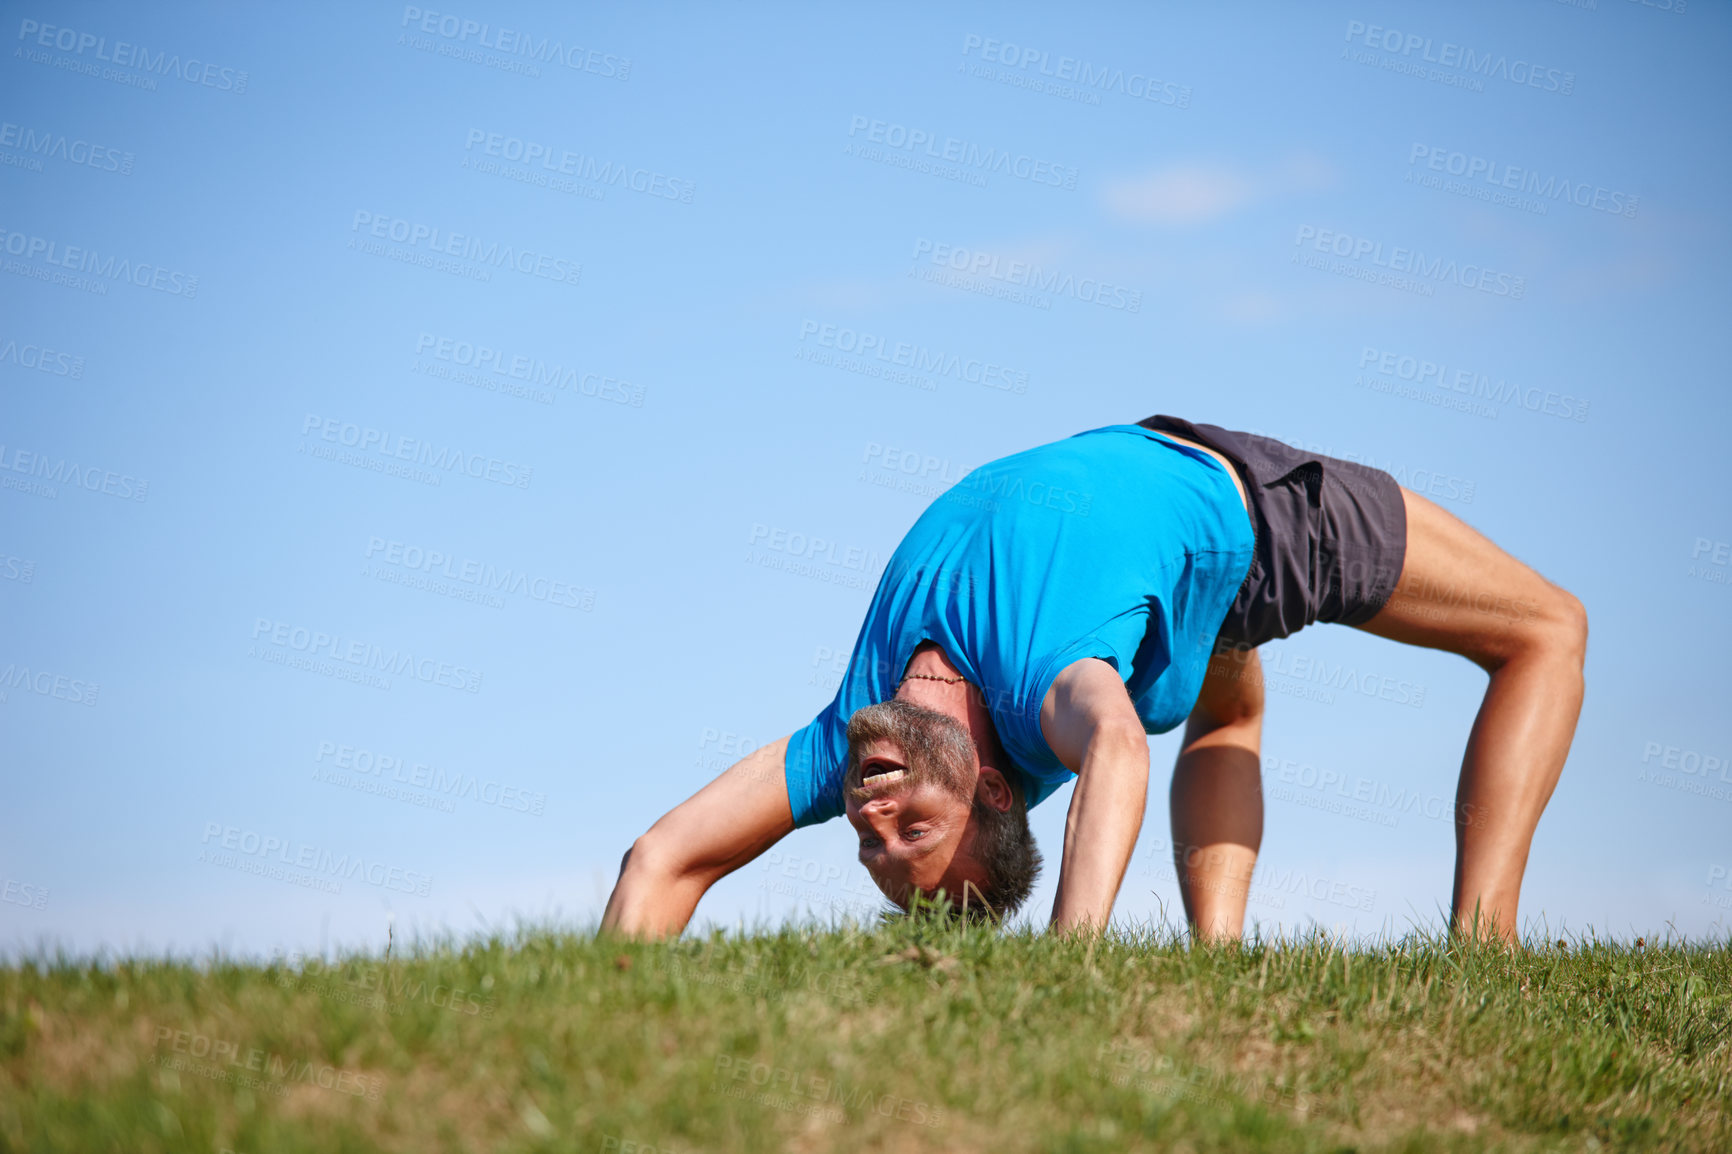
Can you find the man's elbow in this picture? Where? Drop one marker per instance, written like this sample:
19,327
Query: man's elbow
654,858
1123,736
644,857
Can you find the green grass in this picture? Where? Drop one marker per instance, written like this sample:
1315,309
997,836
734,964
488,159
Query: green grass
908,1036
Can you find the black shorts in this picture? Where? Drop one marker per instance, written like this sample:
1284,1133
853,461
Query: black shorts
1331,535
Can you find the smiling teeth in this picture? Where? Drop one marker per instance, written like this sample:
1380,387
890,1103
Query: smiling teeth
888,777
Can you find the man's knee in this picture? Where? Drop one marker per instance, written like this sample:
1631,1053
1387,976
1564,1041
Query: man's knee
1573,624
1558,626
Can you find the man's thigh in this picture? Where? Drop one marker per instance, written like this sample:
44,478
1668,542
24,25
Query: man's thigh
1461,593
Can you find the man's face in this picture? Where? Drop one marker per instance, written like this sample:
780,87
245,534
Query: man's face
911,831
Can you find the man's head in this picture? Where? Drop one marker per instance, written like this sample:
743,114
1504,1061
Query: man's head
930,815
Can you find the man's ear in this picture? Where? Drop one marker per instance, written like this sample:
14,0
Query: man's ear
991,789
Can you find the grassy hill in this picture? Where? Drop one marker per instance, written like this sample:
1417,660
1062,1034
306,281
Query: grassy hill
903,1037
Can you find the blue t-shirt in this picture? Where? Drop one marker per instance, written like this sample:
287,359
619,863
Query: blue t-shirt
1115,543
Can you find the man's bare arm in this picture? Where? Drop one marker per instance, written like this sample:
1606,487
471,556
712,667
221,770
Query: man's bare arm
1090,723
726,824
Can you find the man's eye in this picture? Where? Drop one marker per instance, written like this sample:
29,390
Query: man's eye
914,835
867,843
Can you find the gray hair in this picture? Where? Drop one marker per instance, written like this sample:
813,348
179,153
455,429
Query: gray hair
938,749
937,746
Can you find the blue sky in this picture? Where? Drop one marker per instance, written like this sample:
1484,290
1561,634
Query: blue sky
440,439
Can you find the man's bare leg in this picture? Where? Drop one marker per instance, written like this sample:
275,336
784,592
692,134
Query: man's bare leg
1217,796
1461,593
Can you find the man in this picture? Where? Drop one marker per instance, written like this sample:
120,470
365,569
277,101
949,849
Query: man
1054,607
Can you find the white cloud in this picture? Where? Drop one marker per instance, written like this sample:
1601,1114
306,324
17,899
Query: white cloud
1182,194
1196,192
